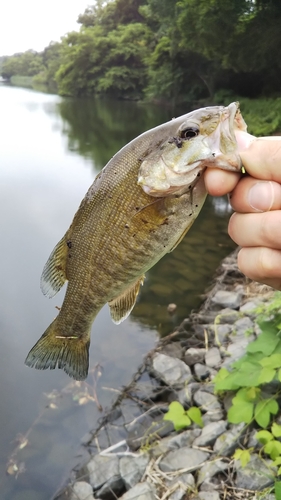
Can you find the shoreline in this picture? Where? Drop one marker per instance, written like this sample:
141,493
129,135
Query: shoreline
134,453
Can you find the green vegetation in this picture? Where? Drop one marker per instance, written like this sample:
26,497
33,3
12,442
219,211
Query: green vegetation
178,51
182,418
254,400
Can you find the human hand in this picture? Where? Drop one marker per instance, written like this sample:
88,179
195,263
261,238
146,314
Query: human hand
256,199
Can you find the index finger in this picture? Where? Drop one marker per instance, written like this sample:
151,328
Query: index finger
262,159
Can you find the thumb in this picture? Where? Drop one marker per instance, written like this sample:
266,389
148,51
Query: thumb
262,159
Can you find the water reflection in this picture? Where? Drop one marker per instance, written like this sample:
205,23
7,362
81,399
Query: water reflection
50,151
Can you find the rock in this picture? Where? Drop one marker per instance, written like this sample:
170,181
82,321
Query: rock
242,326
132,469
175,442
172,371
213,357
227,316
210,469
171,308
229,440
253,442
249,307
235,351
102,469
256,475
210,433
183,458
212,416
184,396
147,429
209,495
201,371
194,355
174,349
82,491
110,489
206,401
185,484
223,298
141,491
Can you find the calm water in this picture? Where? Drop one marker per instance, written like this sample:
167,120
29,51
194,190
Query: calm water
50,151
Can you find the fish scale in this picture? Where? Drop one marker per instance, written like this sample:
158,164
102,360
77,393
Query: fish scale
138,208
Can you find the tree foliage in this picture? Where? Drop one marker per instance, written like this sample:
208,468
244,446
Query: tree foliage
174,50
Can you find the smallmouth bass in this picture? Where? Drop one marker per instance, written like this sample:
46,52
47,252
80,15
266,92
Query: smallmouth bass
139,207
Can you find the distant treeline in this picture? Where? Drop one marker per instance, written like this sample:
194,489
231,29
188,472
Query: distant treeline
172,50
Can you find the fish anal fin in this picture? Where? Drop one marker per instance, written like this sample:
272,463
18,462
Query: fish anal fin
54,273
121,307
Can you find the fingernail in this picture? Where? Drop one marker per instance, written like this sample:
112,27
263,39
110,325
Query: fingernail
261,196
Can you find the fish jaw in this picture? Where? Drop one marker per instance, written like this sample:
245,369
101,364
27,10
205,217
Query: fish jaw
175,166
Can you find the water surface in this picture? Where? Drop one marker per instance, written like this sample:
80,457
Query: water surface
50,151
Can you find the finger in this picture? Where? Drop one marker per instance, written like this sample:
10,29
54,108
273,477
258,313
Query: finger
256,230
262,159
261,264
252,195
219,182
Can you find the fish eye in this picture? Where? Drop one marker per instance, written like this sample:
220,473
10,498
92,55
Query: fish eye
189,133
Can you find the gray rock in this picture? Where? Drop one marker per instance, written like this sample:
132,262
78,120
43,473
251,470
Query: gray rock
185,483
141,491
174,349
172,371
210,433
213,357
206,401
147,429
235,351
102,469
185,438
253,442
228,441
242,326
256,475
183,458
227,316
249,307
82,491
132,469
201,371
212,416
194,355
184,396
210,470
223,298
209,495
110,489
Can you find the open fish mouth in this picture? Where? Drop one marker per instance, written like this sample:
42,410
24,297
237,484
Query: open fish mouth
203,138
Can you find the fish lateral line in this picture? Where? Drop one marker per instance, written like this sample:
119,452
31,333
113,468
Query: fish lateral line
67,338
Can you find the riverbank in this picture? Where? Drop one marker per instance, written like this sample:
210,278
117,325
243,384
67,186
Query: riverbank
134,453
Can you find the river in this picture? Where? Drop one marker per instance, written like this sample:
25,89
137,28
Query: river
51,148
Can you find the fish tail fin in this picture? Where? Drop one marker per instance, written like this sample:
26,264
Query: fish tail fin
52,350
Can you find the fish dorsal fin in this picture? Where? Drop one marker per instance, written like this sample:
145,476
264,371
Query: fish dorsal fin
121,307
54,272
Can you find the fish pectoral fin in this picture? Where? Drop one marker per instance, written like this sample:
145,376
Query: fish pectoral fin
54,273
121,307
181,237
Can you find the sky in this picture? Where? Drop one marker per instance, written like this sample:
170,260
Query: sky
31,24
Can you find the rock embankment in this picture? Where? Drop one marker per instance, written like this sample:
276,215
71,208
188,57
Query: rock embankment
135,454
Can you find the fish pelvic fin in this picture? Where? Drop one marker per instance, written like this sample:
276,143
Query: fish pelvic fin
54,273
121,307
52,350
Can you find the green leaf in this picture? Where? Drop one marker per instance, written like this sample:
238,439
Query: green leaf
277,489
266,341
273,449
241,411
248,375
262,413
243,455
277,461
273,361
267,374
177,415
264,436
279,375
195,414
276,430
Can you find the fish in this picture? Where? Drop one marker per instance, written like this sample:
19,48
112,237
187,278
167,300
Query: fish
139,208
